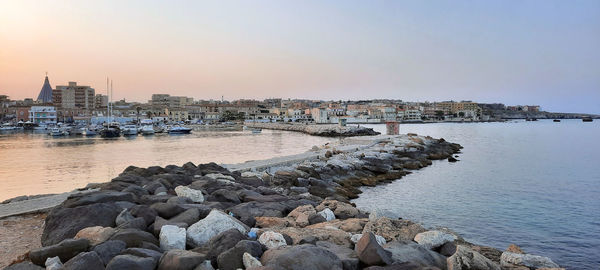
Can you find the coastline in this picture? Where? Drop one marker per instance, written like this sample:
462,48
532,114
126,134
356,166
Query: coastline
326,178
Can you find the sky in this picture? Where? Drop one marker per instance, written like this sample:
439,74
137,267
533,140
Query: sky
543,52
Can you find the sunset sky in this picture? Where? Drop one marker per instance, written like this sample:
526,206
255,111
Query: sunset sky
514,52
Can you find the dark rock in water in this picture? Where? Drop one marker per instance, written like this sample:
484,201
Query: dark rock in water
167,210
232,258
109,250
142,252
24,266
370,252
301,257
346,255
85,261
131,262
145,212
134,238
223,242
188,217
63,223
97,197
403,252
211,168
177,259
224,195
160,222
136,223
65,250
452,159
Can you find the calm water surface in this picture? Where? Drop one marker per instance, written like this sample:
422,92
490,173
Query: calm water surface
38,164
535,184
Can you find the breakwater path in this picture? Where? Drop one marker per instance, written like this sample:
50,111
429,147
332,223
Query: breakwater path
328,130
295,215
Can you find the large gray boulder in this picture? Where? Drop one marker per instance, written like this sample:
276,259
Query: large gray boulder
346,255
224,241
301,257
434,239
404,251
63,223
528,260
466,259
193,194
24,266
216,222
131,262
65,250
85,261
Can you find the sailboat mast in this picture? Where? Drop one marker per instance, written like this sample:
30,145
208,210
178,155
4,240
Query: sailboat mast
107,104
111,97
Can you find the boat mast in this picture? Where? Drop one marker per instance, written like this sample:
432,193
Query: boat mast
108,104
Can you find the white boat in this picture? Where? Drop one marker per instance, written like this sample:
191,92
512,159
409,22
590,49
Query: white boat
256,130
7,127
91,131
76,131
147,130
179,130
129,130
55,132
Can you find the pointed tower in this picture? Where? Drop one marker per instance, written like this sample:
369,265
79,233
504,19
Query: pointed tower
45,95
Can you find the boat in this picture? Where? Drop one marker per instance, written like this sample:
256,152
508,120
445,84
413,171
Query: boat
57,132
148,130
556,120
90,131
7,127
130,130
76,131
587,119
179,130
256,130
111,130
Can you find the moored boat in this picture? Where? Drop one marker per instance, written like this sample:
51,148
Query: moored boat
179,130
130,130
556,120
57,132
111,130
147,130
587,119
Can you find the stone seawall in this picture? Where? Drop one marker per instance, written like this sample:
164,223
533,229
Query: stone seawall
327,130
293,216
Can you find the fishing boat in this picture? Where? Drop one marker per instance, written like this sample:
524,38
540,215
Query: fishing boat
179,130
148,130
556,120
587,119
130,130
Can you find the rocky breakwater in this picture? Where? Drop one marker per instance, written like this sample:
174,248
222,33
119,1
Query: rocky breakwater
318,130
298,217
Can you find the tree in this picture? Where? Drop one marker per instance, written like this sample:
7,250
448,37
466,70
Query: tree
461,114
439,114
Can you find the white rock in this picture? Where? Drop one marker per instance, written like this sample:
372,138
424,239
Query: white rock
53,263
272,239
172,237
531,261
434,239
380,240
216,222
249,261
327,214
192,194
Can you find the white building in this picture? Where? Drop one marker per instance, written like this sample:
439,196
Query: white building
42,114
412,115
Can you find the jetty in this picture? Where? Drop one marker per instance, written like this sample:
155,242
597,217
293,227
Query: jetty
283,213
327,130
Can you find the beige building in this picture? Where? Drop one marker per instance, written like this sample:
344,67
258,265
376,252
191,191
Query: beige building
73,96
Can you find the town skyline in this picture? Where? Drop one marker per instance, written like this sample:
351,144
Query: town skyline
541,52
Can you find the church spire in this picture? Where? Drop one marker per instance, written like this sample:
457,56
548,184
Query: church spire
45,95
